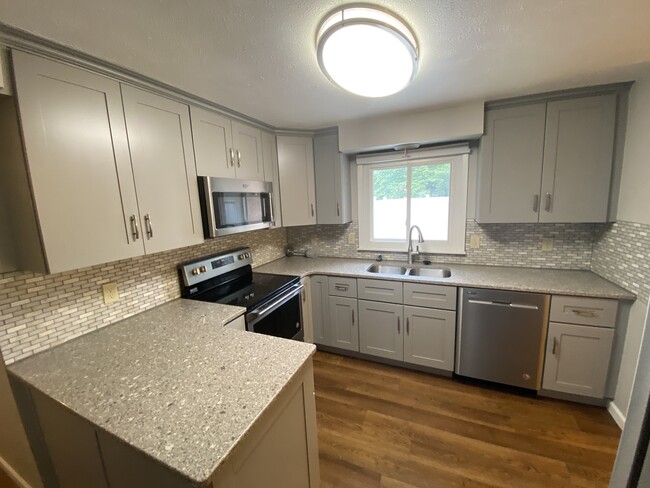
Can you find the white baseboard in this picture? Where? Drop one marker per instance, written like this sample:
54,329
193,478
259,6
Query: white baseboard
12,474
616,414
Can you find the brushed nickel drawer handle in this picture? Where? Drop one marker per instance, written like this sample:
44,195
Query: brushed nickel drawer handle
536,203
549,202
341,287
135,228
585,313
149,225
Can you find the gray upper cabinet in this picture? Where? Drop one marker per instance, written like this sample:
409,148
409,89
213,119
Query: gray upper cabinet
510,168
272,172
160,141
547,162
332,181
84,196
213,148
226,148
578,153
297,186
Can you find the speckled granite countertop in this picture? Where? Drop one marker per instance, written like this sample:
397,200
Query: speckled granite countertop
559,282
170,381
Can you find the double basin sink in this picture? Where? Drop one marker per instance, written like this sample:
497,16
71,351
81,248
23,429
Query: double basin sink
403,271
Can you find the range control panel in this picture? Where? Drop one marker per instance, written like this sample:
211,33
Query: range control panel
208,267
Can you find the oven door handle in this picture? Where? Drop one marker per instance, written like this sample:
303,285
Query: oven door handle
258,314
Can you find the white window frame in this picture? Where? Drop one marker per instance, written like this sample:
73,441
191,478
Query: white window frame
458,156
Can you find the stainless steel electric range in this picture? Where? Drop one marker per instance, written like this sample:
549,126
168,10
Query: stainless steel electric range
272,301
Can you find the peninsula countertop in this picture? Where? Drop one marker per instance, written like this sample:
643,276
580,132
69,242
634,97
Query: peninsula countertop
171,381
554,281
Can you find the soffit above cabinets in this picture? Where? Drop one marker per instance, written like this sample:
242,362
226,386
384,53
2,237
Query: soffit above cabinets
258,57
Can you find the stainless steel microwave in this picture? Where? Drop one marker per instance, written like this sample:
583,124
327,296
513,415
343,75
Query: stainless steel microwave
230,206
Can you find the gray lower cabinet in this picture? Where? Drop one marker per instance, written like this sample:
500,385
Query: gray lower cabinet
381,328
577,359
320,309
343,318
430,337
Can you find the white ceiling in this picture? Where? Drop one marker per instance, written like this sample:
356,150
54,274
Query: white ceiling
258,57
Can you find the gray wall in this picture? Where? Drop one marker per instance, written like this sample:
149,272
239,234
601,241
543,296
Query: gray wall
634,206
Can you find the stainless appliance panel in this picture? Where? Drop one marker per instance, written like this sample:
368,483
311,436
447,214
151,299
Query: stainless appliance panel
502,336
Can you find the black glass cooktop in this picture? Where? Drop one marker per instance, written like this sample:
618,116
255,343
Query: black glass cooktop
247,291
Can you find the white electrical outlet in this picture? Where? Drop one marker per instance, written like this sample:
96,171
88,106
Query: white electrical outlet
111,294
475,241
352,238
547,243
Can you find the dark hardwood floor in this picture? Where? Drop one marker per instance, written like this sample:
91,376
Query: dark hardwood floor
381,426
6,481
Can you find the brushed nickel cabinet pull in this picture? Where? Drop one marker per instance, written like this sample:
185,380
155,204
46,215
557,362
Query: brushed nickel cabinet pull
398,325
408,329
536,203
338,210
238,159
352,316
312,209
554,346
149,226
135,228
549,202
232,157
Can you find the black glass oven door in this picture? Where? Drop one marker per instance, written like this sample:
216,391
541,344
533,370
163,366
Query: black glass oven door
284,319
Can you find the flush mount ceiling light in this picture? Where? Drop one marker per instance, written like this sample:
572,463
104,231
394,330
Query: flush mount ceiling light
367,51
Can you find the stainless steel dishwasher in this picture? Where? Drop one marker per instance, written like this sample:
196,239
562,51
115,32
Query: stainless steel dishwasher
502,336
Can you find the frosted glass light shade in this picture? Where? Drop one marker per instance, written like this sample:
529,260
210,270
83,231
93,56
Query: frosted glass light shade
367,51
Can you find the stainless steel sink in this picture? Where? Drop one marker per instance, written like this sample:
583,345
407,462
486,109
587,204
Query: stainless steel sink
387,269
430,272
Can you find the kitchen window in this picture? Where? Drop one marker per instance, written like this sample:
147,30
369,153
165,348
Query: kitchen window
427,188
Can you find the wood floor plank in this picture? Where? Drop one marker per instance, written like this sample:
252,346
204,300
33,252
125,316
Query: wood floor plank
389,427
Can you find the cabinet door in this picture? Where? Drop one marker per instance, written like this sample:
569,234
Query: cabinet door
577,359
430,338
343,329
213,148
271,173
510,169
320,309
78,158
332,174
297,190
578,156
247,141
381,328
165,174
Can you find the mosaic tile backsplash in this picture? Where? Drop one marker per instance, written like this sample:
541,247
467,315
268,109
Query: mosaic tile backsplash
622,255
500,244
41,311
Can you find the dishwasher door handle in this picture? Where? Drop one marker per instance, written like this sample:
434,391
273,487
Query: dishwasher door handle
504,304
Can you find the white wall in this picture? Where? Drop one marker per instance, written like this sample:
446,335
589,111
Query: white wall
457,123
634,206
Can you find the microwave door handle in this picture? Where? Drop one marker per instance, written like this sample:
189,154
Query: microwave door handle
212,224
257,315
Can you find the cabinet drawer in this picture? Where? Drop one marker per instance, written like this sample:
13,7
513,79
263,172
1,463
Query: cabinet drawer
342,287
584,311
430,296
380,291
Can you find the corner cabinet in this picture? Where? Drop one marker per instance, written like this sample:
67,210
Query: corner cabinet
332,171
226,148
547,162
111,169
297,184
